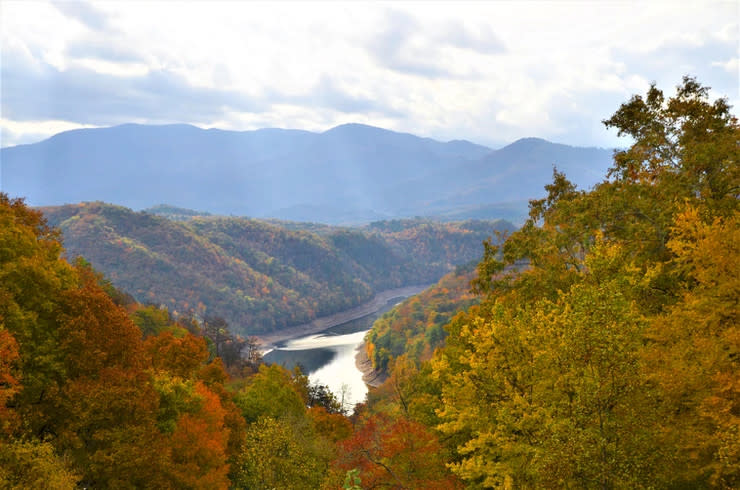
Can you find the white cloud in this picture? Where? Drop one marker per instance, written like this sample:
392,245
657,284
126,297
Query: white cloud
486,71
15,133
731,66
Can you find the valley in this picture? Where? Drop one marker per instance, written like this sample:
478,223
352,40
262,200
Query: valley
262,277
369,245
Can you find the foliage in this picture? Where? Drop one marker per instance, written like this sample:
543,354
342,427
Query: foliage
695,345
397,453
9,382
83,395
611,360
34,465
259,277
415,327
275,457
602,350
271,393
352,481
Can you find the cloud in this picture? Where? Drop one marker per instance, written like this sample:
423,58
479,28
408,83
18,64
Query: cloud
486,71
391,48
483,41
326,93
705,59
731,66
103,49
43,92
18,133
84,13
408,47
36,91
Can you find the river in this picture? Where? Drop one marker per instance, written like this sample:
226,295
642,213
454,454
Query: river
328,357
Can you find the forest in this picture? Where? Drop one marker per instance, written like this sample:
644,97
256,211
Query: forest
611,360
261,276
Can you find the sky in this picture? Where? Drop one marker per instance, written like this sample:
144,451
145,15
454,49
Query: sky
487,72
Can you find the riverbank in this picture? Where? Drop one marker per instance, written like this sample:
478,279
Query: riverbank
370,376
268,341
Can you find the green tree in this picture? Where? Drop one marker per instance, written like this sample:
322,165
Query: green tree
275,457
610,360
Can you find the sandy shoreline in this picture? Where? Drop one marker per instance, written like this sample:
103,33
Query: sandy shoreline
267,342
371,377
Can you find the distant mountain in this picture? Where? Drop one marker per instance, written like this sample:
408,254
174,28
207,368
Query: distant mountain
175,213
261,276
349,174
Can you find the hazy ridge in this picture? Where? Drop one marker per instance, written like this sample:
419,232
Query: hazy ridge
350,174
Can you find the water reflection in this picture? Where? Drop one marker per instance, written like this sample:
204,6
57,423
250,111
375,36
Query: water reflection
308,360
329,357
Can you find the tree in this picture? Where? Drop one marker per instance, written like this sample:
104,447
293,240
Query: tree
271,393
9,383
182,357
34,465
611,359
395,453
694,355
274,457
99,406
198,444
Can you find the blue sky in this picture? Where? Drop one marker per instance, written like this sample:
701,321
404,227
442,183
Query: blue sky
489,72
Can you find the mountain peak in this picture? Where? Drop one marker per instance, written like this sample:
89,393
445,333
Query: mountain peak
531,140
355,128
350,167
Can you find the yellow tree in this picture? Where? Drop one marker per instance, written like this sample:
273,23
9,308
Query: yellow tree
610,359
552,394
695,354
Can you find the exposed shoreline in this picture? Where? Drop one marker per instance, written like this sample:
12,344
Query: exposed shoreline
268,341
370,376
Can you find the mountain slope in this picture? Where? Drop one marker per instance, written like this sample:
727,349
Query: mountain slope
352,173
259,276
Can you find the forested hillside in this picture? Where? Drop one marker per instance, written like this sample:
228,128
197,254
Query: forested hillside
99,392
415,327
261,276
613,359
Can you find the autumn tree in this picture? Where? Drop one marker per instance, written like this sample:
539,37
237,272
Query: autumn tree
395,452
610,359
98,406
33,464
9,382
275,457
694,355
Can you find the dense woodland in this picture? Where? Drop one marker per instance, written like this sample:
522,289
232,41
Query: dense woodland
416,327
611,361
261,276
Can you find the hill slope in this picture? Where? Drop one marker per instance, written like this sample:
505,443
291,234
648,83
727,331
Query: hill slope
260,276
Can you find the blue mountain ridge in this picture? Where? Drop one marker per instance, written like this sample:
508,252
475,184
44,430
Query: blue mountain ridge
350,173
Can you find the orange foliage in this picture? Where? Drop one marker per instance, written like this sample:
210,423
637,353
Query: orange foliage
181,357
333,426
398,453
9,383
107,422
198,445
95,332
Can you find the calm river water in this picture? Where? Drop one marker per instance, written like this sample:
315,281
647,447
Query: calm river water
329,357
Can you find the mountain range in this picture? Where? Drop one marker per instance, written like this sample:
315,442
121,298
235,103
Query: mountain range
352,173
